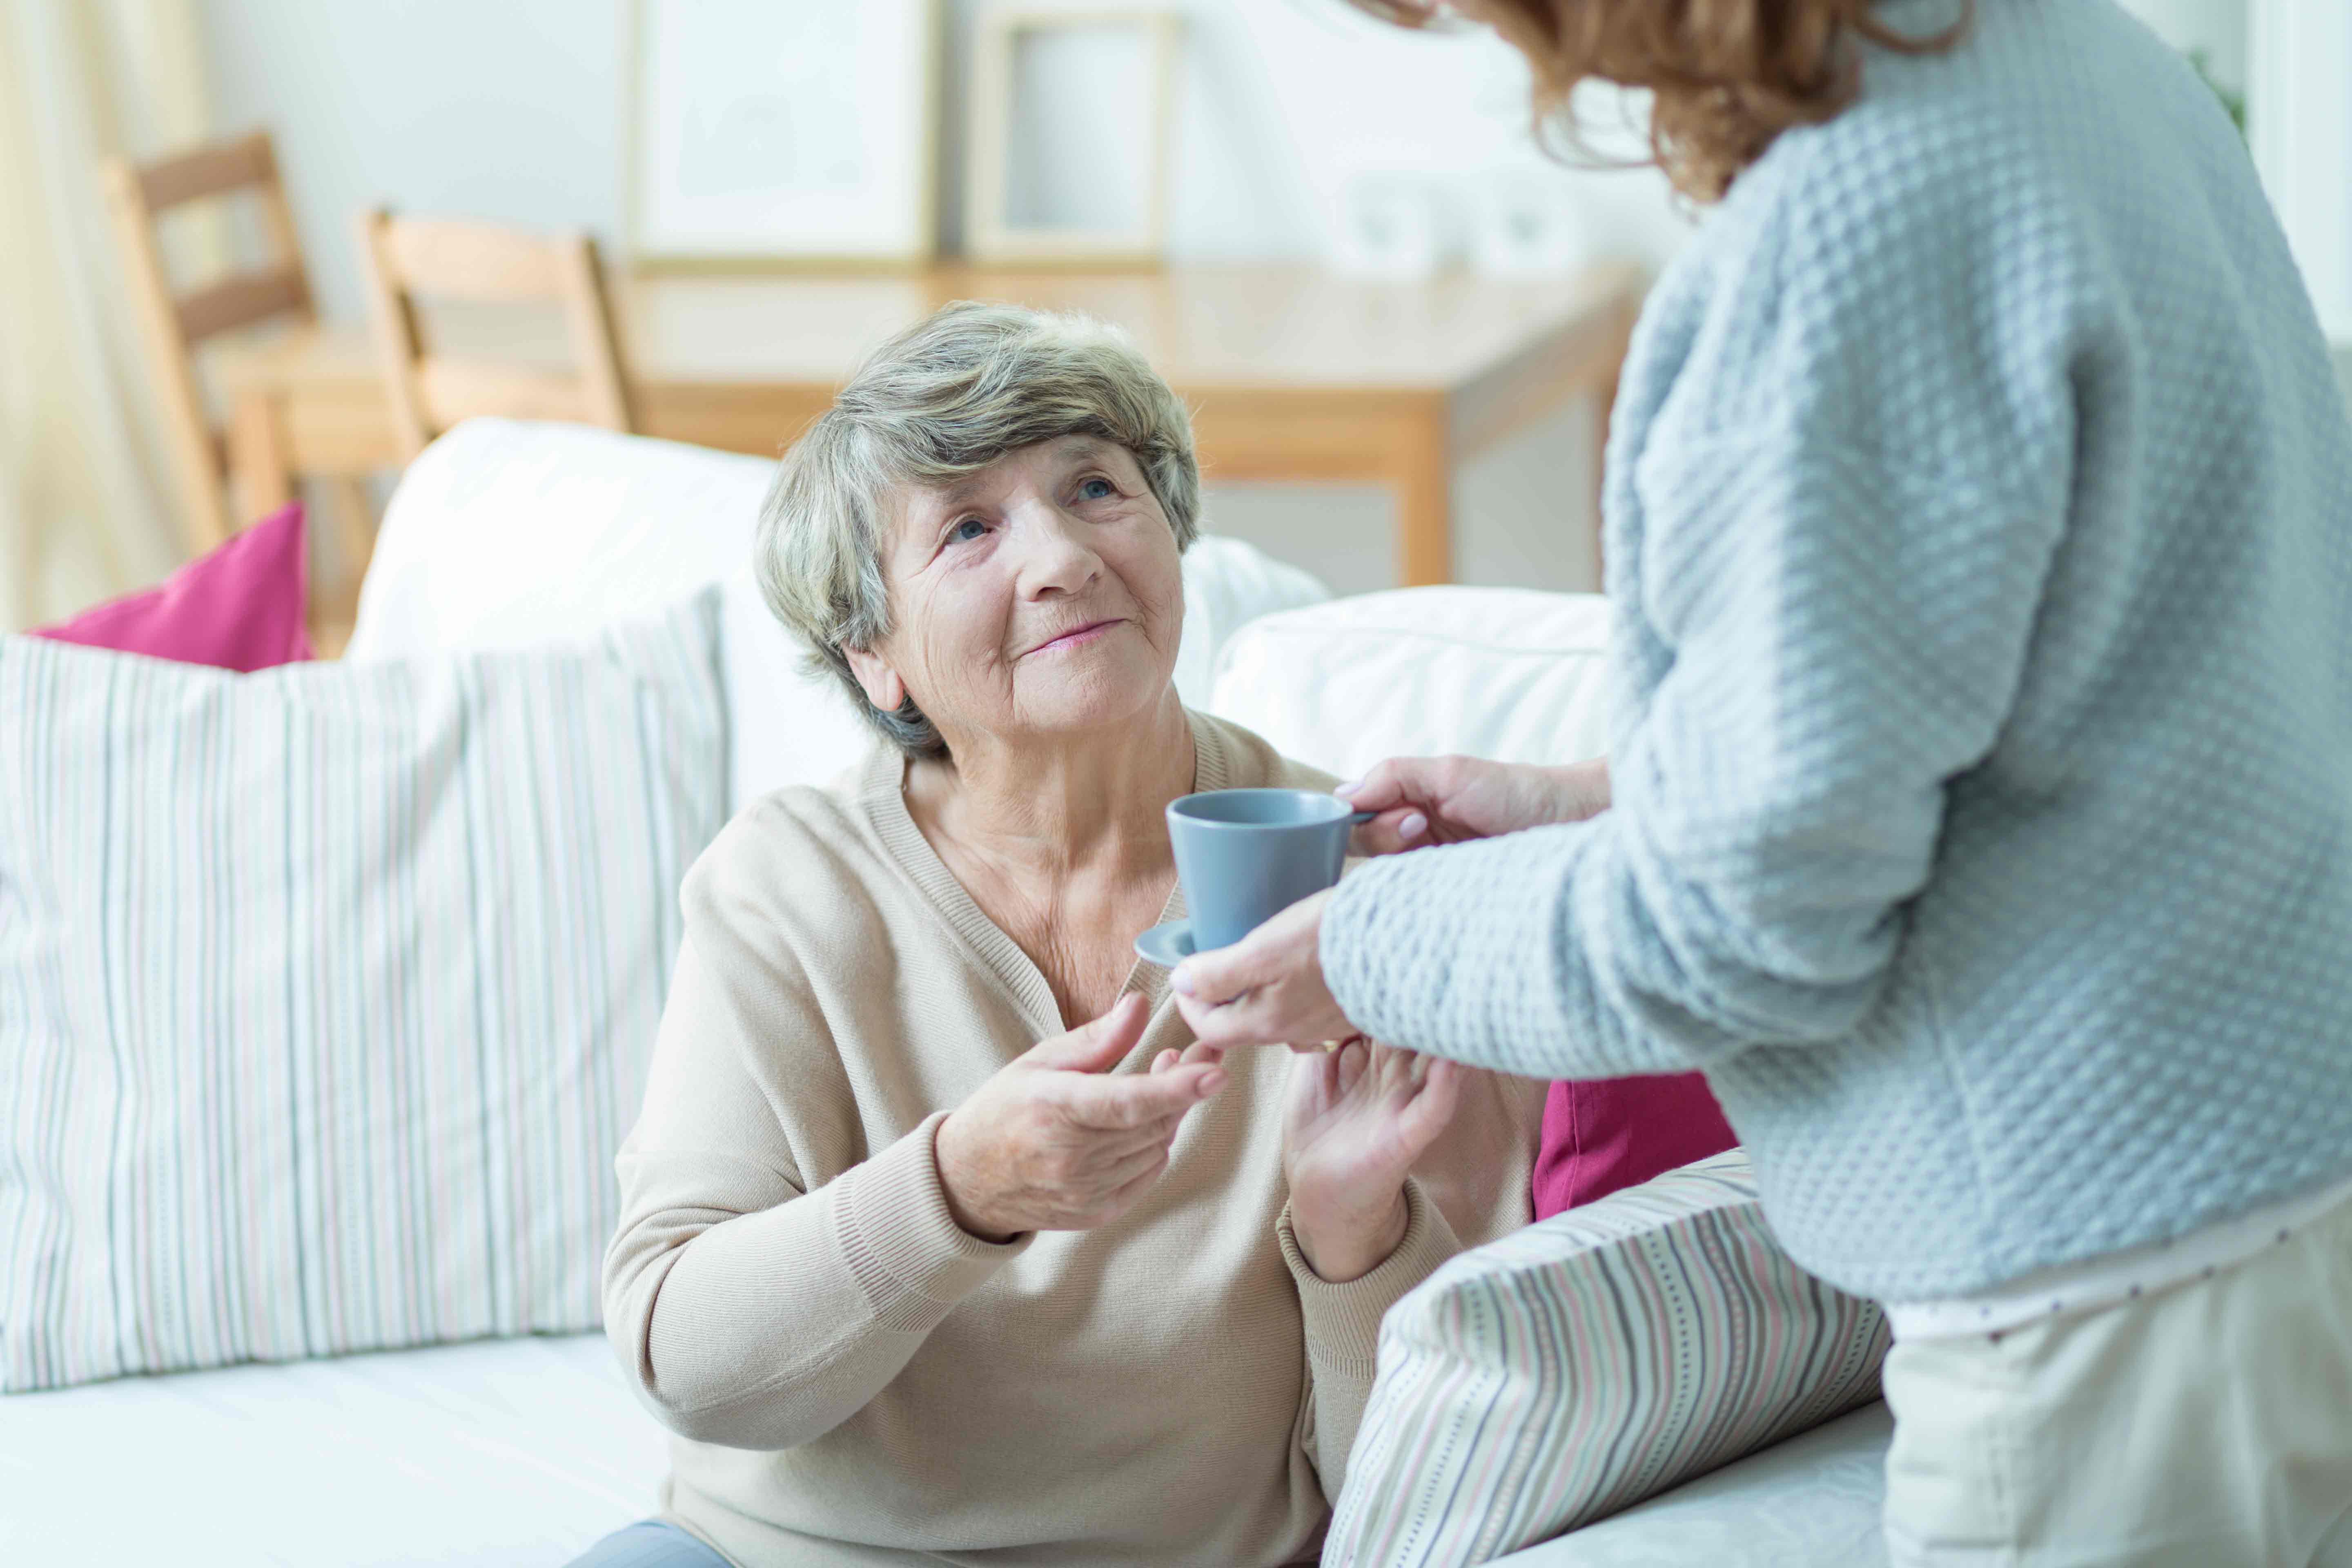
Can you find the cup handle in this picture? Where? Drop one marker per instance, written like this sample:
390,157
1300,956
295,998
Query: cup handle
1361,816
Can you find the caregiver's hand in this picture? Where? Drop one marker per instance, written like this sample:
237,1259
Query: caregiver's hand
1266,989
1447,800
1054,1142
1356,1120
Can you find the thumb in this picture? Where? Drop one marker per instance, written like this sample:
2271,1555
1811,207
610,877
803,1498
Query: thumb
1398,782
1404,791
1097,1046
1429,1111
1222,974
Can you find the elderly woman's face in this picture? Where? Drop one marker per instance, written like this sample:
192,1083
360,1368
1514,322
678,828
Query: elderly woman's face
1041,595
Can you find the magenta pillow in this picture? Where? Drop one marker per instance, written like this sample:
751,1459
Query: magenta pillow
244,607
1603,1133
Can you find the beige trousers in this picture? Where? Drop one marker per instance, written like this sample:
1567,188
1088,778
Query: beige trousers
2207,1425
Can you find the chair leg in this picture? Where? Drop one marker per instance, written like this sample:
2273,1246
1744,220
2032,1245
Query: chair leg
260,478
335,606
355,521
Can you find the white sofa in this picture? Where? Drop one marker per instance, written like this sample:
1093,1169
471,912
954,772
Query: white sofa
522,1452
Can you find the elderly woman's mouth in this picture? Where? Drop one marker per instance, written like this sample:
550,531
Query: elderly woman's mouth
1075,636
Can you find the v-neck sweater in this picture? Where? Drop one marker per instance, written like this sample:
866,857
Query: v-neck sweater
851,1377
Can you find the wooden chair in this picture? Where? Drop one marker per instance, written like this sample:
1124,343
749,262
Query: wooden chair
459,260
176,325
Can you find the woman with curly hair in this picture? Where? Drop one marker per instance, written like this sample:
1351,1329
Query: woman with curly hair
1977,814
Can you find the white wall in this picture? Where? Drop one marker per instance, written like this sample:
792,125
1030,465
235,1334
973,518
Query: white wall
500,108
508,108
2293,58
2301,107
2217,26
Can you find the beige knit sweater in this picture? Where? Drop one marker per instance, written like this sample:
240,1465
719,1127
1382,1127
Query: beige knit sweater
852,1378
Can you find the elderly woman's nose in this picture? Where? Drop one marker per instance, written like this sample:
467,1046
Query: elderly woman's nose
1055,553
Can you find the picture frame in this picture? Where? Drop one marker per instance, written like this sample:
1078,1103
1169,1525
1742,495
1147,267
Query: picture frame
994,235
779,135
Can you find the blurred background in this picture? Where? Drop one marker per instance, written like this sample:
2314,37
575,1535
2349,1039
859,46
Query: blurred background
1286,200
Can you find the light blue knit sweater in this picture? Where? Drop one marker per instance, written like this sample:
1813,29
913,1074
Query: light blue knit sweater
1979,535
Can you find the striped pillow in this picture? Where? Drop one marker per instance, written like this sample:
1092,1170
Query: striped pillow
326,993
1584,1364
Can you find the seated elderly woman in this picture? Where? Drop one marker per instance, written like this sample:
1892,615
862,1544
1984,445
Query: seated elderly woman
942,1240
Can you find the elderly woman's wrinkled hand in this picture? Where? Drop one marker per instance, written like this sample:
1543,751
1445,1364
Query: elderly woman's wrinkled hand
1356,1120
1266,989
1056,1141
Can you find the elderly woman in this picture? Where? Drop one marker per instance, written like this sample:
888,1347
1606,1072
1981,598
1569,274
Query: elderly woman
942,1240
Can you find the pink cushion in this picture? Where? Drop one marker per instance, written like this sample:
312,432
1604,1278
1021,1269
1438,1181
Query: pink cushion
241,607
1603,1133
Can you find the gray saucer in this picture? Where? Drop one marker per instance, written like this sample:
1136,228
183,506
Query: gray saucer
1166,946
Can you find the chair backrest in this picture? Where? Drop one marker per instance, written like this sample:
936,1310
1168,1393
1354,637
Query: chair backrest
461,259
174,324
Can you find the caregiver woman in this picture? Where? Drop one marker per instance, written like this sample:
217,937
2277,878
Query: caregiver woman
1979,810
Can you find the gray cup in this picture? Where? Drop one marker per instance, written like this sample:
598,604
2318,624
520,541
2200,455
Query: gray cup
1244,855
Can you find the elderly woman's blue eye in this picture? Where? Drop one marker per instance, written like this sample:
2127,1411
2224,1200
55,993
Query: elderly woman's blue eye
1092,492
971,528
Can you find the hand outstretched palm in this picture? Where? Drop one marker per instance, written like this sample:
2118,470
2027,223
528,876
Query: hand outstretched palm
1356,1120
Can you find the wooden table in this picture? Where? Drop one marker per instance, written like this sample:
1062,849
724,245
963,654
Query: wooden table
1291,374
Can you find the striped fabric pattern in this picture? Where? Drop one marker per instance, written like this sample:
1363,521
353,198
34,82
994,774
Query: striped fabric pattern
1579,1365
326,993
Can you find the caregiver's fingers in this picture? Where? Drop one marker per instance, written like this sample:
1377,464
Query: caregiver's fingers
1251,1020
1404,783
1223,974
1392,832
1281,949
1225,1026
1386,785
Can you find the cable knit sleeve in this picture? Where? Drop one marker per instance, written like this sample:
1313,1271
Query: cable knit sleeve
1833,513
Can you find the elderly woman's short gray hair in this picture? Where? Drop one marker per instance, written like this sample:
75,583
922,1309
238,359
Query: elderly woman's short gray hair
945,398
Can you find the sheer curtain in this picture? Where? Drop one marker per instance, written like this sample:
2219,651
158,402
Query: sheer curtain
86,507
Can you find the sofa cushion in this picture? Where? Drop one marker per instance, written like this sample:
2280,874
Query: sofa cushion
1579,1365
515,1452
1601,1135
507,532
327,992
1507,673
243,606
1816,1500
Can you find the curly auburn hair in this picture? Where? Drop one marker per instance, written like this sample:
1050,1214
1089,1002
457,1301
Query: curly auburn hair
1725,76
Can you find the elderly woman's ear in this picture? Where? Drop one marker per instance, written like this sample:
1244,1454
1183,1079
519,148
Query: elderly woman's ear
881,684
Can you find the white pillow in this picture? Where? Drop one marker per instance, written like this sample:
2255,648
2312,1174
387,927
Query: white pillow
1507,673
504,533
791,725
326,993
1583,1363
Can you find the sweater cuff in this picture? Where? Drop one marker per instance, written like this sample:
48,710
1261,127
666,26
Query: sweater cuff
900,1239
1343,1321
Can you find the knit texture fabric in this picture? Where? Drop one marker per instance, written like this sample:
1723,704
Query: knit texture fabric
1977,509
